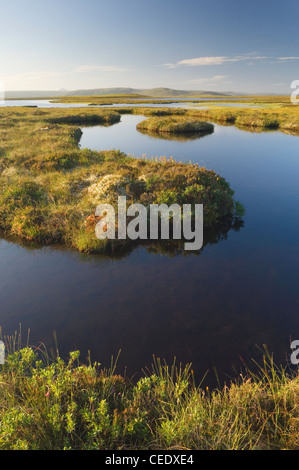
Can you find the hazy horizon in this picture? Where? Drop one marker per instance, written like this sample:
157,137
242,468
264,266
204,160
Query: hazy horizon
63,92
219,47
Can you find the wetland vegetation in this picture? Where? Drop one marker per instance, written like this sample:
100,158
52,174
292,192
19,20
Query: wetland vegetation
53,404
176,126
50,187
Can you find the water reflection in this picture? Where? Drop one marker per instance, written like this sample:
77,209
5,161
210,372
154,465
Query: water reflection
122,250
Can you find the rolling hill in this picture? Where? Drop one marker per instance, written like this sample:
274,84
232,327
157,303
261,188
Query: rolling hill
150,93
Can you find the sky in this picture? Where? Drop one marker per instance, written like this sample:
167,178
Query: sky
217,45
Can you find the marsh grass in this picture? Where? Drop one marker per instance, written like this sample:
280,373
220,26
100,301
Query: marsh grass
273,112
277,117
47,403
50,187
177,126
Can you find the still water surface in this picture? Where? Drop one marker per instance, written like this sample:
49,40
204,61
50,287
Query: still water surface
210,309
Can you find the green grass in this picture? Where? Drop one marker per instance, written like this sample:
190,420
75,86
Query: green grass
276,116
53,404
50,188
272,113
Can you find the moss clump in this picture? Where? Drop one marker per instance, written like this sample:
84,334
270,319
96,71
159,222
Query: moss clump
50,188
86,119
176,126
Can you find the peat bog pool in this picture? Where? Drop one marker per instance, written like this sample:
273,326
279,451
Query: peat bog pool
211,309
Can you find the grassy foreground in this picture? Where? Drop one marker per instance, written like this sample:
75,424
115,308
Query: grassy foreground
50,188
58,405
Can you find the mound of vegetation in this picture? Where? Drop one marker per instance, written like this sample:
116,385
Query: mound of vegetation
274,112
176,126
52,404
282,117
86,119
50,188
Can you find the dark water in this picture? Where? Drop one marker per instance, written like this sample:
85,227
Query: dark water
210,309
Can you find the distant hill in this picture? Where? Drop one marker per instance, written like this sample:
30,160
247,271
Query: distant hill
151,93
168,92
104,91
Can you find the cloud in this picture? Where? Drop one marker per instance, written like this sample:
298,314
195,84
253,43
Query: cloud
203,61
33,80
215,60
199,61
99,68
288,58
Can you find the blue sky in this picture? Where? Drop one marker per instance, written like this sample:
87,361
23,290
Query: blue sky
193,45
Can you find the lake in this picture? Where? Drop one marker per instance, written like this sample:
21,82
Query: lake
212,309
142,104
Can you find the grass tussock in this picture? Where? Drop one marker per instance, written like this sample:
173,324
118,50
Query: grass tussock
55,404
50,188
277,117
